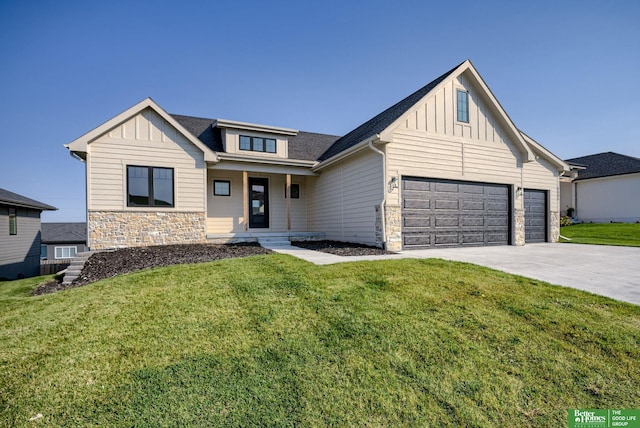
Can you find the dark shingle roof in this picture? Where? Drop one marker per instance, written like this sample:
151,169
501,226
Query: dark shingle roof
605,165
13,199
64,232
309,145
380,122
201,128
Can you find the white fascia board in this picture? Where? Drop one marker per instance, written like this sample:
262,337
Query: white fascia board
265,160
223,123
79,145
546,154
234,165
338,157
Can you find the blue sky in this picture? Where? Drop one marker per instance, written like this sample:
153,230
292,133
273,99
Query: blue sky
565,71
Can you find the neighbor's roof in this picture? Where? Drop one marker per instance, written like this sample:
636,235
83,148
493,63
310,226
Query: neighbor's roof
605,165
13,199
302,146
382,121
63,232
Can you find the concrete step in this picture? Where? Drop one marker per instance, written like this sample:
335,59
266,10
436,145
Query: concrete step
75,268
274,241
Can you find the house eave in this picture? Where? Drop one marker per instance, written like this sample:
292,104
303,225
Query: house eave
265,160
346,153
245,126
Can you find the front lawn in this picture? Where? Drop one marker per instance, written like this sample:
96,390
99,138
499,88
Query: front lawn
274,341
625,234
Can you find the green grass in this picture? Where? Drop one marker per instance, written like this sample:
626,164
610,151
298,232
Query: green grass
275,341
625,234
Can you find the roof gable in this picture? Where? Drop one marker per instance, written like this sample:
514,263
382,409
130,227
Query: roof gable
16,200
385,122
382,121
605,165
79,145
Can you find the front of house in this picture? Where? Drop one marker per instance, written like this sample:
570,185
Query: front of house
443,167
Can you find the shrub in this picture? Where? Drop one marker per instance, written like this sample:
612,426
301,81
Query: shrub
565,220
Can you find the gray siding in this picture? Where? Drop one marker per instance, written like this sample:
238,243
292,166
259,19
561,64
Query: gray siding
20,253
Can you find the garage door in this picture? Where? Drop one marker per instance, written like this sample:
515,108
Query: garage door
444,213
535,215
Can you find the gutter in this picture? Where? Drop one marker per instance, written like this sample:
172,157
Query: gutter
384,191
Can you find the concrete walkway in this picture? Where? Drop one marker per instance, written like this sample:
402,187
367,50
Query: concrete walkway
606,270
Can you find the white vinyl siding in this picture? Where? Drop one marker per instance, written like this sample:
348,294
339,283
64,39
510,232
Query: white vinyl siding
144,140
345,196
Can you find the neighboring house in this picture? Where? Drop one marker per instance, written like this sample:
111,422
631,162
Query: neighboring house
19,235
445,166
605,189
63,240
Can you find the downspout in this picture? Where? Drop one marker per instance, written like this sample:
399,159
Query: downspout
384,191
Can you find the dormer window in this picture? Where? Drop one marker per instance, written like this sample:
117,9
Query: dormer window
257,144
463,106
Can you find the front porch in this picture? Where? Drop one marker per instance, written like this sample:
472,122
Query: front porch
246,205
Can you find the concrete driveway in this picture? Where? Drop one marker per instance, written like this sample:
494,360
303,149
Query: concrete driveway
609,271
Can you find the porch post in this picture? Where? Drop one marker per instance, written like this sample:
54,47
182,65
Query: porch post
245,199
288,202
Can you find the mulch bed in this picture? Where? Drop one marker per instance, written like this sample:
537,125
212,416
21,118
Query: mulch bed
341,248
113,263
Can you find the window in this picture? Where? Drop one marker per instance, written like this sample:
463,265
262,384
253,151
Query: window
295,191
43,251
149,186
257,144
221,188
13,221
65,252
463,106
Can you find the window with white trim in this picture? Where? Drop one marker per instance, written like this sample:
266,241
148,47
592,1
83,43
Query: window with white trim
65,252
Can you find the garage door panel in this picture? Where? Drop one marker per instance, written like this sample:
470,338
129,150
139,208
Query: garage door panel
535,215
417,203
444,204
420,240
472,221
472,205
417,222
446,213
446,187
441,221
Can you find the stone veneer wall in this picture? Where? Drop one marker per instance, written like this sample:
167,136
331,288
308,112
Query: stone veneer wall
554,219
393,227
117,229
519,227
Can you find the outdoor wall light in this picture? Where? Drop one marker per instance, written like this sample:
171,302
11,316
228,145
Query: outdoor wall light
393,183
519,192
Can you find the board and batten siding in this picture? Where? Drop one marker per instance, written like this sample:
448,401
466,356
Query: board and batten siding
345,196
225,213
20,253
144,140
